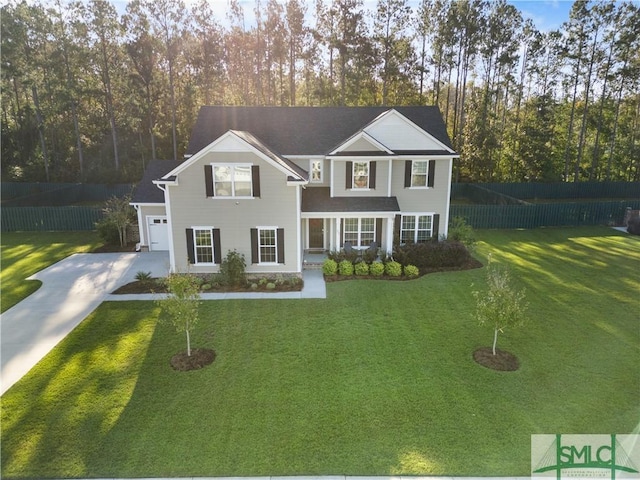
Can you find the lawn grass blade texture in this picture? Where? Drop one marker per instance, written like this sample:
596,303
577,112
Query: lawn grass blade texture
378,379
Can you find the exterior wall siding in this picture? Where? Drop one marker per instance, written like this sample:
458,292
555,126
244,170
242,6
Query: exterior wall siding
433,199
340,178
234,216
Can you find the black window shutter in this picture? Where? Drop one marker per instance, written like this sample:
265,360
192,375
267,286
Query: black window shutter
191,252
280,243
379,231
396,227
217,253
208,180
255,258
349,176
407,173
372,174
342,232
436,226
432,172
255,180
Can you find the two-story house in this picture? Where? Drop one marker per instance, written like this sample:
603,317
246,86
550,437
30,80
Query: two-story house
274,182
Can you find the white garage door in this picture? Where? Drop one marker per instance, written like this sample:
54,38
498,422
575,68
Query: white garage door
158,233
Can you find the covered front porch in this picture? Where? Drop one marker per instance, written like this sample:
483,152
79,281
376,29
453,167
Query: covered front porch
328,222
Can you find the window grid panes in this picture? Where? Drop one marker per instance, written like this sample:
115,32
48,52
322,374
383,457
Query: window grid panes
361,232
203,242
232,180
316,171
351,230
419,174
360,174
268,246
416,228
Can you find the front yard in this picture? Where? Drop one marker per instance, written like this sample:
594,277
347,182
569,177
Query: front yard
377,379
26,253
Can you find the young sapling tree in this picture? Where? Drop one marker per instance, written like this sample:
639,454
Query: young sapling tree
182,303
501,306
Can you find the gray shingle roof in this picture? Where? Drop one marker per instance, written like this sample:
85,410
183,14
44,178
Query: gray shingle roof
303,130
260,146
146,191
318,199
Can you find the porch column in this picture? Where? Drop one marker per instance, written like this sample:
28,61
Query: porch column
389,243
337,237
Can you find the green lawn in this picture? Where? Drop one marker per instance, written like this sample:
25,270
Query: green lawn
378,379
25,253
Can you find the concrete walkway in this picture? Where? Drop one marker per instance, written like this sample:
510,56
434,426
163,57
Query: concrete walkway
74,287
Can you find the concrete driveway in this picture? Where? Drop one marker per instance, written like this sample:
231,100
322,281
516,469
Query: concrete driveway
71,289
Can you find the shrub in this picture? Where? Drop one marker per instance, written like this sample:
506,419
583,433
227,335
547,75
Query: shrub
271,286
633,226
393,269
432,255
461,231
342,255
411,271
362,268
369,256
345,267
143,276
232,269
108,232
330,267
205,286
376,269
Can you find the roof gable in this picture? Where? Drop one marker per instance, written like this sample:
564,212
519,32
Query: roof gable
400,134
305,131
239,141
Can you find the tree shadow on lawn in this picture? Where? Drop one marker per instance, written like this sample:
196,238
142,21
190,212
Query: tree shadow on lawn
54,419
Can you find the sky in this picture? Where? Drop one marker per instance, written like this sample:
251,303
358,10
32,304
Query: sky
546,14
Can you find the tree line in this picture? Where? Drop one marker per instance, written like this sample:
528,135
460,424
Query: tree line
93,94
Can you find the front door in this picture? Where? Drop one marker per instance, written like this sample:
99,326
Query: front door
316,233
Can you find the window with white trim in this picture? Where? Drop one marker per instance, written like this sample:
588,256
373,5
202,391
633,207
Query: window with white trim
419,172
316,171
360,174
416,228
232,180
268,245
203,244
361,232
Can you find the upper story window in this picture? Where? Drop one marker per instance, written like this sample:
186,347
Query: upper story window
419,171
316,171
360,174
232,180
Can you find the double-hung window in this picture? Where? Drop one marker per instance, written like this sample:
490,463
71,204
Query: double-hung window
419,171
360,174
416,228
203,245
361,232
232,180
267,245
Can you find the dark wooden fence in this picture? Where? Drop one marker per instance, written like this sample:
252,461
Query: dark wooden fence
495,205
43,219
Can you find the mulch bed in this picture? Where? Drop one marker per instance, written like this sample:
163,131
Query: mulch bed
502,361
200,357
470,265
158,287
